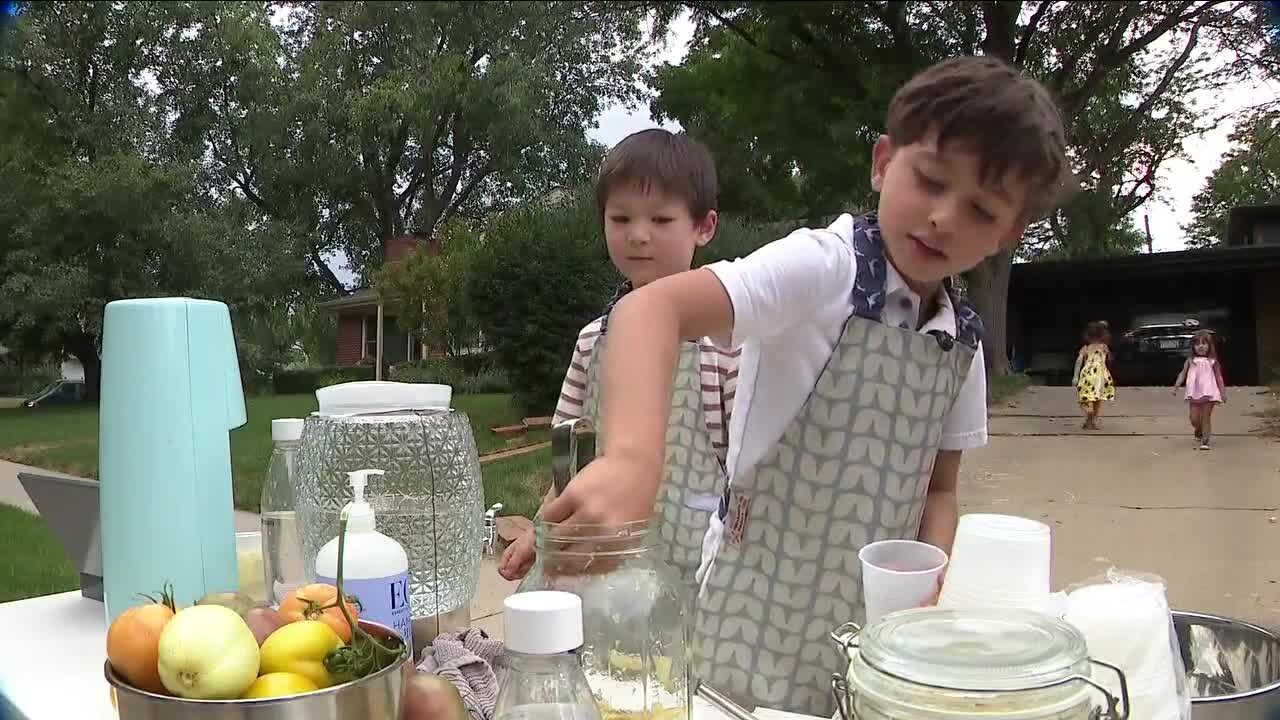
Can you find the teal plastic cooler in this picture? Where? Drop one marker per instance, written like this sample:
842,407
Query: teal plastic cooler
170,395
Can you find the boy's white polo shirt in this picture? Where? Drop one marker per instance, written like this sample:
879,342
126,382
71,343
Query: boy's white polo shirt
791,299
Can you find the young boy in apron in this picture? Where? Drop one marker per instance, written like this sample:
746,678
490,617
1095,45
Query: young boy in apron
656,193
861,384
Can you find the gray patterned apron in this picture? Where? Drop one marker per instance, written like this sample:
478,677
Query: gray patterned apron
852,468
694,479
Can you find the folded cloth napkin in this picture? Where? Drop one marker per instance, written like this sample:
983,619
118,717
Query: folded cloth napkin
465,658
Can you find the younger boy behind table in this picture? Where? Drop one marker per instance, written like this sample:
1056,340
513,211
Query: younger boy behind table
862,379
656,192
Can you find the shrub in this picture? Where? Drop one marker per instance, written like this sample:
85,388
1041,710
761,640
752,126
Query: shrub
491,380
430,371
431,289
308,380
466,378
540,274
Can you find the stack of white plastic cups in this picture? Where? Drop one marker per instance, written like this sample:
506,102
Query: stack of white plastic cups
999,561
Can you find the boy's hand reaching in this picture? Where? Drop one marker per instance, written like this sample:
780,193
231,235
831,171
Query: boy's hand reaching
518,558
608,491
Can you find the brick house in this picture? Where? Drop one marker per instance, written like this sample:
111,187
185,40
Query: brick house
367,329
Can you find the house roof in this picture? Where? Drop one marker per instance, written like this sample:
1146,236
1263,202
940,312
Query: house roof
1215,259
363,297
1242,219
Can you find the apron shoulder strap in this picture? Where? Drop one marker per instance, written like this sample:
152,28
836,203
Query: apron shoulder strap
618,294
871,274
969,326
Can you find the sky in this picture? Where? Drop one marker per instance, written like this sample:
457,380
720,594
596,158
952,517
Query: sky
1168,210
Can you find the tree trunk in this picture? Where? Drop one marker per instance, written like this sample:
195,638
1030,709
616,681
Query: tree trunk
989,291
85,349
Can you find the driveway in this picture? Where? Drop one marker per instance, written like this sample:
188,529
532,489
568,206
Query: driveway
12,493
1139,496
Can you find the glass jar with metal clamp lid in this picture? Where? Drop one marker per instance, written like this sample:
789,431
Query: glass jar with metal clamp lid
635,650
932,663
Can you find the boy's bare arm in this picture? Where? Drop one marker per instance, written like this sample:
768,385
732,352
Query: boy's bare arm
645,331
941,507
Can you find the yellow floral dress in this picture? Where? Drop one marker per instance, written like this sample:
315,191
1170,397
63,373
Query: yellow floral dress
1095,383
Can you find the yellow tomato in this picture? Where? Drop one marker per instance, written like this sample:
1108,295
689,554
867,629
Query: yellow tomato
279,684
300,648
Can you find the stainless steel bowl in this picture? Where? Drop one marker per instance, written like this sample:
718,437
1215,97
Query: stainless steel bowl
376,697
1233,668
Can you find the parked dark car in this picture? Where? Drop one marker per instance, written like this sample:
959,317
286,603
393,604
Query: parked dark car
59,392
1153,350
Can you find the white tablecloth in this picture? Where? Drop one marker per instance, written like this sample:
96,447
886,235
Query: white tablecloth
55,647
51,664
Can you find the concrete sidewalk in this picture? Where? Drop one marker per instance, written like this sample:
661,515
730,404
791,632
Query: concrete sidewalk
1139,496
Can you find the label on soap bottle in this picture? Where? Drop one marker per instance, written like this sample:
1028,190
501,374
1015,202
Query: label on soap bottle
382,600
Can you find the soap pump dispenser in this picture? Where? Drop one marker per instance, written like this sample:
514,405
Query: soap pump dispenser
375,567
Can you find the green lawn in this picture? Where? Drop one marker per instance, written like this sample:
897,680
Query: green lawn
32,561
519,482
66,438
1004,387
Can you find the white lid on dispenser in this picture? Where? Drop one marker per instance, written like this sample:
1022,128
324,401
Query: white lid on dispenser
286,429
545,622
377,396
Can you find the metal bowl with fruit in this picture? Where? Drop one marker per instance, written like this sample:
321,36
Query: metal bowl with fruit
228,656
375,696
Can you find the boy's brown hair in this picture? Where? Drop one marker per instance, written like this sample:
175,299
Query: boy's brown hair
674,162
990,108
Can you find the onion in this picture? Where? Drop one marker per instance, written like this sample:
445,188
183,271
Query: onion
207,652
263,622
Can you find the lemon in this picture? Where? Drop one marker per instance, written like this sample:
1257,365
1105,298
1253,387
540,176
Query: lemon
280,684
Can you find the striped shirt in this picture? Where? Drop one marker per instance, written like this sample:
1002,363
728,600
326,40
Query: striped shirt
719,384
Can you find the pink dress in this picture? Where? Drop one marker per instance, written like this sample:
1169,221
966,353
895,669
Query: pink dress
1202,381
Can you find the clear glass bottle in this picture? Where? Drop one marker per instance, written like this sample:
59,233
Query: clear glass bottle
635,611
544,679
1012,664
282,559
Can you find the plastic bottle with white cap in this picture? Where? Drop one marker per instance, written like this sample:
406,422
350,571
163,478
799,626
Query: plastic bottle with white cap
544,679
282,564
375,568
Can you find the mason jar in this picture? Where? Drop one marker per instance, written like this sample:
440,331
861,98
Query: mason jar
635,649
934,663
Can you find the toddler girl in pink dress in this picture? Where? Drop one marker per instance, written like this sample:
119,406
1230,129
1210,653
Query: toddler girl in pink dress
1202,376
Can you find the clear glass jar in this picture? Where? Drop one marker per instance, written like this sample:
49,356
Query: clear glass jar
635,609
935,663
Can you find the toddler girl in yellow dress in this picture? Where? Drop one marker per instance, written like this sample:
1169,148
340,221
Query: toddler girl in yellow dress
1092,377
